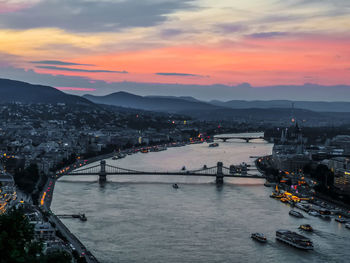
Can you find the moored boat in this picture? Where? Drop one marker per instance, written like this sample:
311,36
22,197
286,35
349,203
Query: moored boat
144,150
313,213
340,219
296,214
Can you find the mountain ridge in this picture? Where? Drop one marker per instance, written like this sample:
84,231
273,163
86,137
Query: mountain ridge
151,103
23,92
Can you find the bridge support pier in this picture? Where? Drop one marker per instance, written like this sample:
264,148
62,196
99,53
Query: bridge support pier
102,177
219,174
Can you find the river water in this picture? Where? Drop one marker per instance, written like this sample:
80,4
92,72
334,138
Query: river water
143,219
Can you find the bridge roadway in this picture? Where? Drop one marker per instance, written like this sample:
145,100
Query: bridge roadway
238,175
247,139
219,171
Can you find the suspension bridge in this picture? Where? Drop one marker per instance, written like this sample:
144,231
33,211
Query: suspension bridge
219,172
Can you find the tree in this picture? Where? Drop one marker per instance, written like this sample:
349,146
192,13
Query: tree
57,257
16,235
17,243
27,179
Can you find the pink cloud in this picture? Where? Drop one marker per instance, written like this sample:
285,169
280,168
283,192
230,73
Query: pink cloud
8,7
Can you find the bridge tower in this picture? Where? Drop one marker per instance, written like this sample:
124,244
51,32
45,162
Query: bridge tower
219,174
102,175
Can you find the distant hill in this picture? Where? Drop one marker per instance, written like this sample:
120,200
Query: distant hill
152,103
319,106
259,111
18,91
188,98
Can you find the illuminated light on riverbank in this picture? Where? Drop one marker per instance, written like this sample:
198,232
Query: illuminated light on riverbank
43,199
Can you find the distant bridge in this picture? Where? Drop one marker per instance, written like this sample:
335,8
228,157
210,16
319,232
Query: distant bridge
247,139
219,171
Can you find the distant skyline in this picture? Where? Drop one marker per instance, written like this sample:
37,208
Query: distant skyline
180,47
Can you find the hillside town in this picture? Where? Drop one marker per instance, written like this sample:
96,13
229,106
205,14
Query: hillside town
38,140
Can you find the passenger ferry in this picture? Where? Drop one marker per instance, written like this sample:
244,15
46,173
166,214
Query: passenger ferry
296,214
294,239
259,237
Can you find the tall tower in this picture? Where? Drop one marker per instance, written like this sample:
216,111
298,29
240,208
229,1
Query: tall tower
292,116
283,136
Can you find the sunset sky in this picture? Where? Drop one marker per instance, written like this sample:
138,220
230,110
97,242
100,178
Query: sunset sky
67,43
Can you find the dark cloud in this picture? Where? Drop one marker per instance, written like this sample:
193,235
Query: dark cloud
331,8
81,70
93,15
333,3
244,91
177,74
7,59
171,32
268,34
58,62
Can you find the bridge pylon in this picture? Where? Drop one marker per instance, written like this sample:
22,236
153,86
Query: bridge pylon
102,176
219,174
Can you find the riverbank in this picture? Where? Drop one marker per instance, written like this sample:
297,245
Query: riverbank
303,187
79,250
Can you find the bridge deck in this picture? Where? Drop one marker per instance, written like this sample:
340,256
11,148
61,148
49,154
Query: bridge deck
170,173
104,169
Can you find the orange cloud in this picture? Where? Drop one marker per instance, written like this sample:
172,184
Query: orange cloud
321,59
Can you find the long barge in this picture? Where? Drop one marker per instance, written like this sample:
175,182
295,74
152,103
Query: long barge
294,239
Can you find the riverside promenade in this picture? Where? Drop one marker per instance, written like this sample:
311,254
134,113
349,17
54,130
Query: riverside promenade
45,204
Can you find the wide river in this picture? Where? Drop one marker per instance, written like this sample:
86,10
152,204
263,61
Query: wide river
143,219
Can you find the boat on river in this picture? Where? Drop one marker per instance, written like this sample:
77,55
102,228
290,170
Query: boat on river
259,237
314,213
306,227
296,214
294,239
340,219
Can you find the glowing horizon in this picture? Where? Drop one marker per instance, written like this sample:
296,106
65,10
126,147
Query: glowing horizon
186,42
